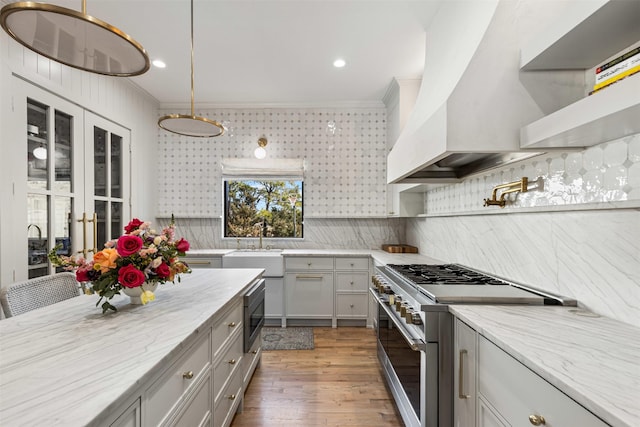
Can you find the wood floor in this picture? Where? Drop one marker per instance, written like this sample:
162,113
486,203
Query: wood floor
339,383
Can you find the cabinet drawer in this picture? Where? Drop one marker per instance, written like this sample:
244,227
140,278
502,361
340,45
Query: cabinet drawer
308,263
516,392
352,263
228,362
226,325
354,282
352,305
228,401
167,392
202,262
250,361
198,410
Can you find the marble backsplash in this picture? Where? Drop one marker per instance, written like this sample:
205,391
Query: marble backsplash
319,233
592,255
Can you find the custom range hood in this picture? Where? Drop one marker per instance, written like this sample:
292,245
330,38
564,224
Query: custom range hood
471,104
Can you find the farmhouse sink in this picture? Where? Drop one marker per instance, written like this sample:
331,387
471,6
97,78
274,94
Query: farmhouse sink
269,259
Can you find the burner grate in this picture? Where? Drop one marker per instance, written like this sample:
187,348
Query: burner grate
446,274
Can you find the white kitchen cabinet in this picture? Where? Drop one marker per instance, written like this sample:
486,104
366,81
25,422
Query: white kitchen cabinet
130,417
211,261
251,361
493,389
520,396
586,34
274,298
77,165
172,391
352,284
228,372
308,283
309,295
486,417
464,382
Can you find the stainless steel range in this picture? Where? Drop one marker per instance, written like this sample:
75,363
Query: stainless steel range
415,330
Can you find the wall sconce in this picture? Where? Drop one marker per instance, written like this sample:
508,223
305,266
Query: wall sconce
260,152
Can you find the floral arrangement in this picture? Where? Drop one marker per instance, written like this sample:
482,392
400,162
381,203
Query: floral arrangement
137,257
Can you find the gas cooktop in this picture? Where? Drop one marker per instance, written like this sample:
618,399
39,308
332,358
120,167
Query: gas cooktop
454,283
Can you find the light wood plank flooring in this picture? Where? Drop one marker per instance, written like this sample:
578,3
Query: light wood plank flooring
339,383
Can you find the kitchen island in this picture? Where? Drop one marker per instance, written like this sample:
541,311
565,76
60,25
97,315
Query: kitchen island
68,364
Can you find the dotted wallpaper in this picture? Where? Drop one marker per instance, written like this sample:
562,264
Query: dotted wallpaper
606,175
344,151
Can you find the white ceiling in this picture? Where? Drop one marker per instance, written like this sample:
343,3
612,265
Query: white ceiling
273,51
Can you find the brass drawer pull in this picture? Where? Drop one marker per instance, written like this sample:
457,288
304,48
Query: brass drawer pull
461,395
255,352
187,375
232,324
199,262
537,420
232,362
232,397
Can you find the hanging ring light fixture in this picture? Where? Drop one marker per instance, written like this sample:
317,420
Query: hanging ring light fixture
74,38
191,125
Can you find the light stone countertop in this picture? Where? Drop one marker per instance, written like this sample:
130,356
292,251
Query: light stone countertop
198,253
594,360
69,365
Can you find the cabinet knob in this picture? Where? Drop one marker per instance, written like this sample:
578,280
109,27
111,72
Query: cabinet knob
255,352
232,362
351,283
537,420
187,375
232,324
352,264
232,397
309,264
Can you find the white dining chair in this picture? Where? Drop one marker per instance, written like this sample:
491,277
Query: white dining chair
21,297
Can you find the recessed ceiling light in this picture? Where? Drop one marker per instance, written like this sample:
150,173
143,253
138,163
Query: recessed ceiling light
339,63
159,63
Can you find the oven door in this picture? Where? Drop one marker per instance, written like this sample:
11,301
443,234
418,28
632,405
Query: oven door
404,362
253,314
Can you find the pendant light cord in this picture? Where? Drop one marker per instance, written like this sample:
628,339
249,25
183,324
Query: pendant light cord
193,114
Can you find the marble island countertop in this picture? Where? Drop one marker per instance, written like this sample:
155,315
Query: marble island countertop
594,360
68,364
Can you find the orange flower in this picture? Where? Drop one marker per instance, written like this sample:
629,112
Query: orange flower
105,260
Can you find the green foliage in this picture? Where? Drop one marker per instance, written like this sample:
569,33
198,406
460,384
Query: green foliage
263,207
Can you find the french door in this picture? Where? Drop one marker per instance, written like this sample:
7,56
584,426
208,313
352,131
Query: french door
76,189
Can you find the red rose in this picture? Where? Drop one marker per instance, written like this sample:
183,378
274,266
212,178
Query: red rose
133,225
82,276
128,245
131,277
163,271
182,245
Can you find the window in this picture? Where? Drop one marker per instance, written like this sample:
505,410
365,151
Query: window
268,207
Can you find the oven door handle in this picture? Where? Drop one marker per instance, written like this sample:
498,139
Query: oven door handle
416,344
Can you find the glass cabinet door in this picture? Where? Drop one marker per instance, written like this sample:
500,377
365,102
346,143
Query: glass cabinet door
53,146
77,166
108,186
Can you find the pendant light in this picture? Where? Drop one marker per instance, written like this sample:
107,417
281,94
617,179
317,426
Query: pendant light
191,125
74,38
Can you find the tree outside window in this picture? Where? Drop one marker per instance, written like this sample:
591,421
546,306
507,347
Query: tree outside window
269,208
